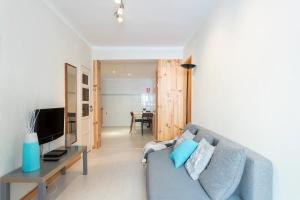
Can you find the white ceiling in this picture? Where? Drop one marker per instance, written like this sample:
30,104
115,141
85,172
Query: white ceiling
130,69
151,23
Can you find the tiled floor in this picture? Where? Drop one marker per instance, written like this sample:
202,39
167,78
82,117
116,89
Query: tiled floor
115,170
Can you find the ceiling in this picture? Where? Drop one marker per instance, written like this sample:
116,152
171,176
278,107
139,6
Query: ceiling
159,23
129,69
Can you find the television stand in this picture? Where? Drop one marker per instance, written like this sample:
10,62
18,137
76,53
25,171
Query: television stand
47,170
55,153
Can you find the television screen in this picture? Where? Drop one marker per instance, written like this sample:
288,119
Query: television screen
49,124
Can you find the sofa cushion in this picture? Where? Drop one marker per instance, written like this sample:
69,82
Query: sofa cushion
234,197
187,135
164,182
192,128
203,135
224,172
199,159
182,152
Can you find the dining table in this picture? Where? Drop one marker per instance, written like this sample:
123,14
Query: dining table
139,115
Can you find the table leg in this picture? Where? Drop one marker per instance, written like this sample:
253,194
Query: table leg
42,191
5,191
133,128
84,162
130,132
63,171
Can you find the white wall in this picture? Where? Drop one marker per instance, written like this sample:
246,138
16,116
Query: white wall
136,53
34,46
121,96
246,85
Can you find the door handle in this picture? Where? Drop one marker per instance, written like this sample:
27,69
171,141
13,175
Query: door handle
91,109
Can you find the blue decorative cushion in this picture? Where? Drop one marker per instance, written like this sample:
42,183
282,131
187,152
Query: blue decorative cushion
181,153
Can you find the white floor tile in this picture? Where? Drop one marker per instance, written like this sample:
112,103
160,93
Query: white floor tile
115,170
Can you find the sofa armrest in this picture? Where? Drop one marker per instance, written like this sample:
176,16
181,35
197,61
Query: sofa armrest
257,180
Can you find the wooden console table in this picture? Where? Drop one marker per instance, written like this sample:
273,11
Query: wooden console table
47,170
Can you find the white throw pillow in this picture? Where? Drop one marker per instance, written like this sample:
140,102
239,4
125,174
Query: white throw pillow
199,159
187,135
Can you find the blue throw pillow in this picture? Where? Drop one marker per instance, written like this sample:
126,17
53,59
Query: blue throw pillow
180,154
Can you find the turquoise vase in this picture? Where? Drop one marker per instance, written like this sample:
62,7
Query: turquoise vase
31,153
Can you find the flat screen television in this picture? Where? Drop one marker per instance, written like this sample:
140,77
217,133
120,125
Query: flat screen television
49,124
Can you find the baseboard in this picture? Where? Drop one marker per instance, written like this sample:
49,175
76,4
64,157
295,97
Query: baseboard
33,193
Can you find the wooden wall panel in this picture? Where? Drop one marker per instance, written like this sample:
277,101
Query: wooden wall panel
170,99
179,105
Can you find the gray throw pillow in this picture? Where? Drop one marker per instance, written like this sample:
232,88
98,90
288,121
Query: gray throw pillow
199,159
187,135
201,135
224,172
192,128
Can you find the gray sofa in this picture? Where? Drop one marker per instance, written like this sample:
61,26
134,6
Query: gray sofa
165,182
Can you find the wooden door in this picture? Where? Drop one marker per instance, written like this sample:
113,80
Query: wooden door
170,99
97,118
85,119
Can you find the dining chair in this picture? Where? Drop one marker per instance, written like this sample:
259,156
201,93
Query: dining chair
133,121
146,118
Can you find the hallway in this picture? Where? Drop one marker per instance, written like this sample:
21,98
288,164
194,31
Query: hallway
115,170
118,138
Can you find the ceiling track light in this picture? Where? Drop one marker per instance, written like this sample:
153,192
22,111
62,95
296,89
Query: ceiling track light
119,18
118,1
120,11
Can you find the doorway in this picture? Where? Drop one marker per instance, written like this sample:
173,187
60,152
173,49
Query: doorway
129,88
161,87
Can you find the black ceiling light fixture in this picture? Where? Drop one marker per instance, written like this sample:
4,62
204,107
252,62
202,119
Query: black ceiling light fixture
188,66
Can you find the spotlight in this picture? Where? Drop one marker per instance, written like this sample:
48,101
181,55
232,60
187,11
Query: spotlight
120,10
118,1
120,19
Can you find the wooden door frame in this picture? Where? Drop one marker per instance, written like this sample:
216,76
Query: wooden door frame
97,117
66,102
189,75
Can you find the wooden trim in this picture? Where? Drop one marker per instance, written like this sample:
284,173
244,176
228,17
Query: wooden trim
66,98
189,75
34,192
97,115
189,96
185,96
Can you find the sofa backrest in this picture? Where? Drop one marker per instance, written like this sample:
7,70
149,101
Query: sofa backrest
257,179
